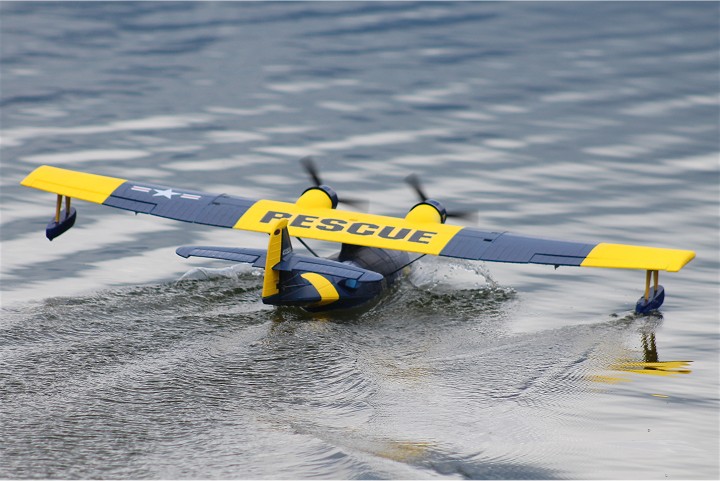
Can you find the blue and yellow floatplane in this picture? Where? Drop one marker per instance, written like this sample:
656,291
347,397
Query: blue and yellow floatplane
374,249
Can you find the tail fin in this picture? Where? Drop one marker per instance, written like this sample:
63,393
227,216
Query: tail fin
279,246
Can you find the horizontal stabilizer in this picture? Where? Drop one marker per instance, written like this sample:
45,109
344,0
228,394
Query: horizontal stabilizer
256,257
294,262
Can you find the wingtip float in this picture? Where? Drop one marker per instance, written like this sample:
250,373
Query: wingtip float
374,248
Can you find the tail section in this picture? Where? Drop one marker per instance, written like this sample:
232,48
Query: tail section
291,279
279,248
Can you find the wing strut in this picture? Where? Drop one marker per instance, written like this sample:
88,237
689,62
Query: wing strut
63,220
307,247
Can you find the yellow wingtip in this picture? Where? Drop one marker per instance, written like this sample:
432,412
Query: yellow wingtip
637,257
70,183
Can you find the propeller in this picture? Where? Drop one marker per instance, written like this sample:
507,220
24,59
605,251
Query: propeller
310,167
308,164
414,181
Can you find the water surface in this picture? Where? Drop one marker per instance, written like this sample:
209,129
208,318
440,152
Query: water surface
590,122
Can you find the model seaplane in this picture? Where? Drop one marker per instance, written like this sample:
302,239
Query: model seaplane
374,249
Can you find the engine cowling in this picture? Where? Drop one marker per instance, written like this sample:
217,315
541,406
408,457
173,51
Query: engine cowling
429,211
320,196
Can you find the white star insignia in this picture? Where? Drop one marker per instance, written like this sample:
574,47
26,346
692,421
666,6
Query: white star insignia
165,193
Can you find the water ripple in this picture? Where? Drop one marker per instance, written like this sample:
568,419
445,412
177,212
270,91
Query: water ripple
593,122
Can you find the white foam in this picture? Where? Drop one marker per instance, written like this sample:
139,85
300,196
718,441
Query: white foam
17,136
231,272
434,95
208,165
707,162
178,148
443,275
355,141
263,109
640,145
85,156
505,143
302,87
44,112
289,129
471,115
235,137
348,107
661,107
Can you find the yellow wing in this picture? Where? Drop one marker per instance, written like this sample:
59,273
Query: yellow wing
310,218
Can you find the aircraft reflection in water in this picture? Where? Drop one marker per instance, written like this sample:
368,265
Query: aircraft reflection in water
650,364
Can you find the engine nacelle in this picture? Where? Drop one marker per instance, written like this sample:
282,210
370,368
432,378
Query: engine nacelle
320,196
429,211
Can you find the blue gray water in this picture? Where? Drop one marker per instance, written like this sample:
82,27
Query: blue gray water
581,121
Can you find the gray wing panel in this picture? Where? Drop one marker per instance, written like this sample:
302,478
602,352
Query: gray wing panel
475,244
180,204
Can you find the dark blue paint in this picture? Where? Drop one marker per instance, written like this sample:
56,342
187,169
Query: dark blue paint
654,301
67,220
183,205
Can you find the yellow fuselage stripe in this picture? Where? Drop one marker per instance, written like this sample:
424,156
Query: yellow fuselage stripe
328,293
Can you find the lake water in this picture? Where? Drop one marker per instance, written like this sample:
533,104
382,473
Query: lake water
580,121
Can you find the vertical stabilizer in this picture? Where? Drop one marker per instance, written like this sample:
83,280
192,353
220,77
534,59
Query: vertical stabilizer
279,246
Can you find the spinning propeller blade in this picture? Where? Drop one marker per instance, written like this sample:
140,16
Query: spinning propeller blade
310,167
414,182
308,164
